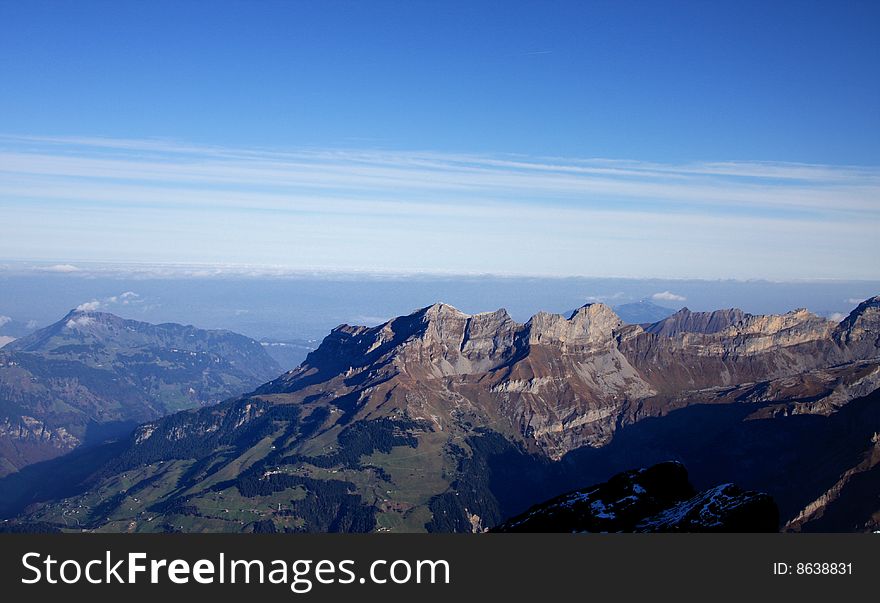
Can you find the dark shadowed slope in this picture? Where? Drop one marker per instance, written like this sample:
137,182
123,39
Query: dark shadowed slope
656,499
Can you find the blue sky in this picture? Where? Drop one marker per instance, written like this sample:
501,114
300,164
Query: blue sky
679,139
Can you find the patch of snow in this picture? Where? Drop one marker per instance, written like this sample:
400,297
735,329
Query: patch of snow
601,511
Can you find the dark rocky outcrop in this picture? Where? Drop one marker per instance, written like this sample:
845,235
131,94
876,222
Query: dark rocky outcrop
656,499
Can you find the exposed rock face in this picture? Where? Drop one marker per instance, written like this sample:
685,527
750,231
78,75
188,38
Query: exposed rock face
25,439
685,321
657,499
589,326
755,348
31,429
860,331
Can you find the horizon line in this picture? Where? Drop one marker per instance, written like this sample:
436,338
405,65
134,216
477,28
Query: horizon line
207,270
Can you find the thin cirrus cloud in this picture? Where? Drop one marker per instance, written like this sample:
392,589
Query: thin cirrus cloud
94,199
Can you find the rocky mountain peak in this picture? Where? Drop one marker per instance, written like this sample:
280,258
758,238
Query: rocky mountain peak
862,327
442,323
441,311
484,334
686,321
866,313
589,324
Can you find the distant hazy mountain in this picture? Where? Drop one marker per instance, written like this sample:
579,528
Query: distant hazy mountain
91,374
641,312
444,421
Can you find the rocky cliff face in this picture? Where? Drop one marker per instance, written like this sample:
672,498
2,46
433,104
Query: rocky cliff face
860,331
445,421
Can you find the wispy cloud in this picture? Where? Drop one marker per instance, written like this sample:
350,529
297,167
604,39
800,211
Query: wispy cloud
62,268
90,306
611,297
124,299
161,200
668,296
531,53
175,174
80,322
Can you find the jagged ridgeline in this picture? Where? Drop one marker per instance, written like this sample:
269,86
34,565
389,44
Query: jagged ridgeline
444,421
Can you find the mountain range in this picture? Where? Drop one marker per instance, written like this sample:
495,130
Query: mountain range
444,421
94,375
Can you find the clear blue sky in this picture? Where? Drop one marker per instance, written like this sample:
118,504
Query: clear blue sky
667,87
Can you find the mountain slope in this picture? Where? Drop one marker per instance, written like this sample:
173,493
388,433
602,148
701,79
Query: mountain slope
77,379
444,421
